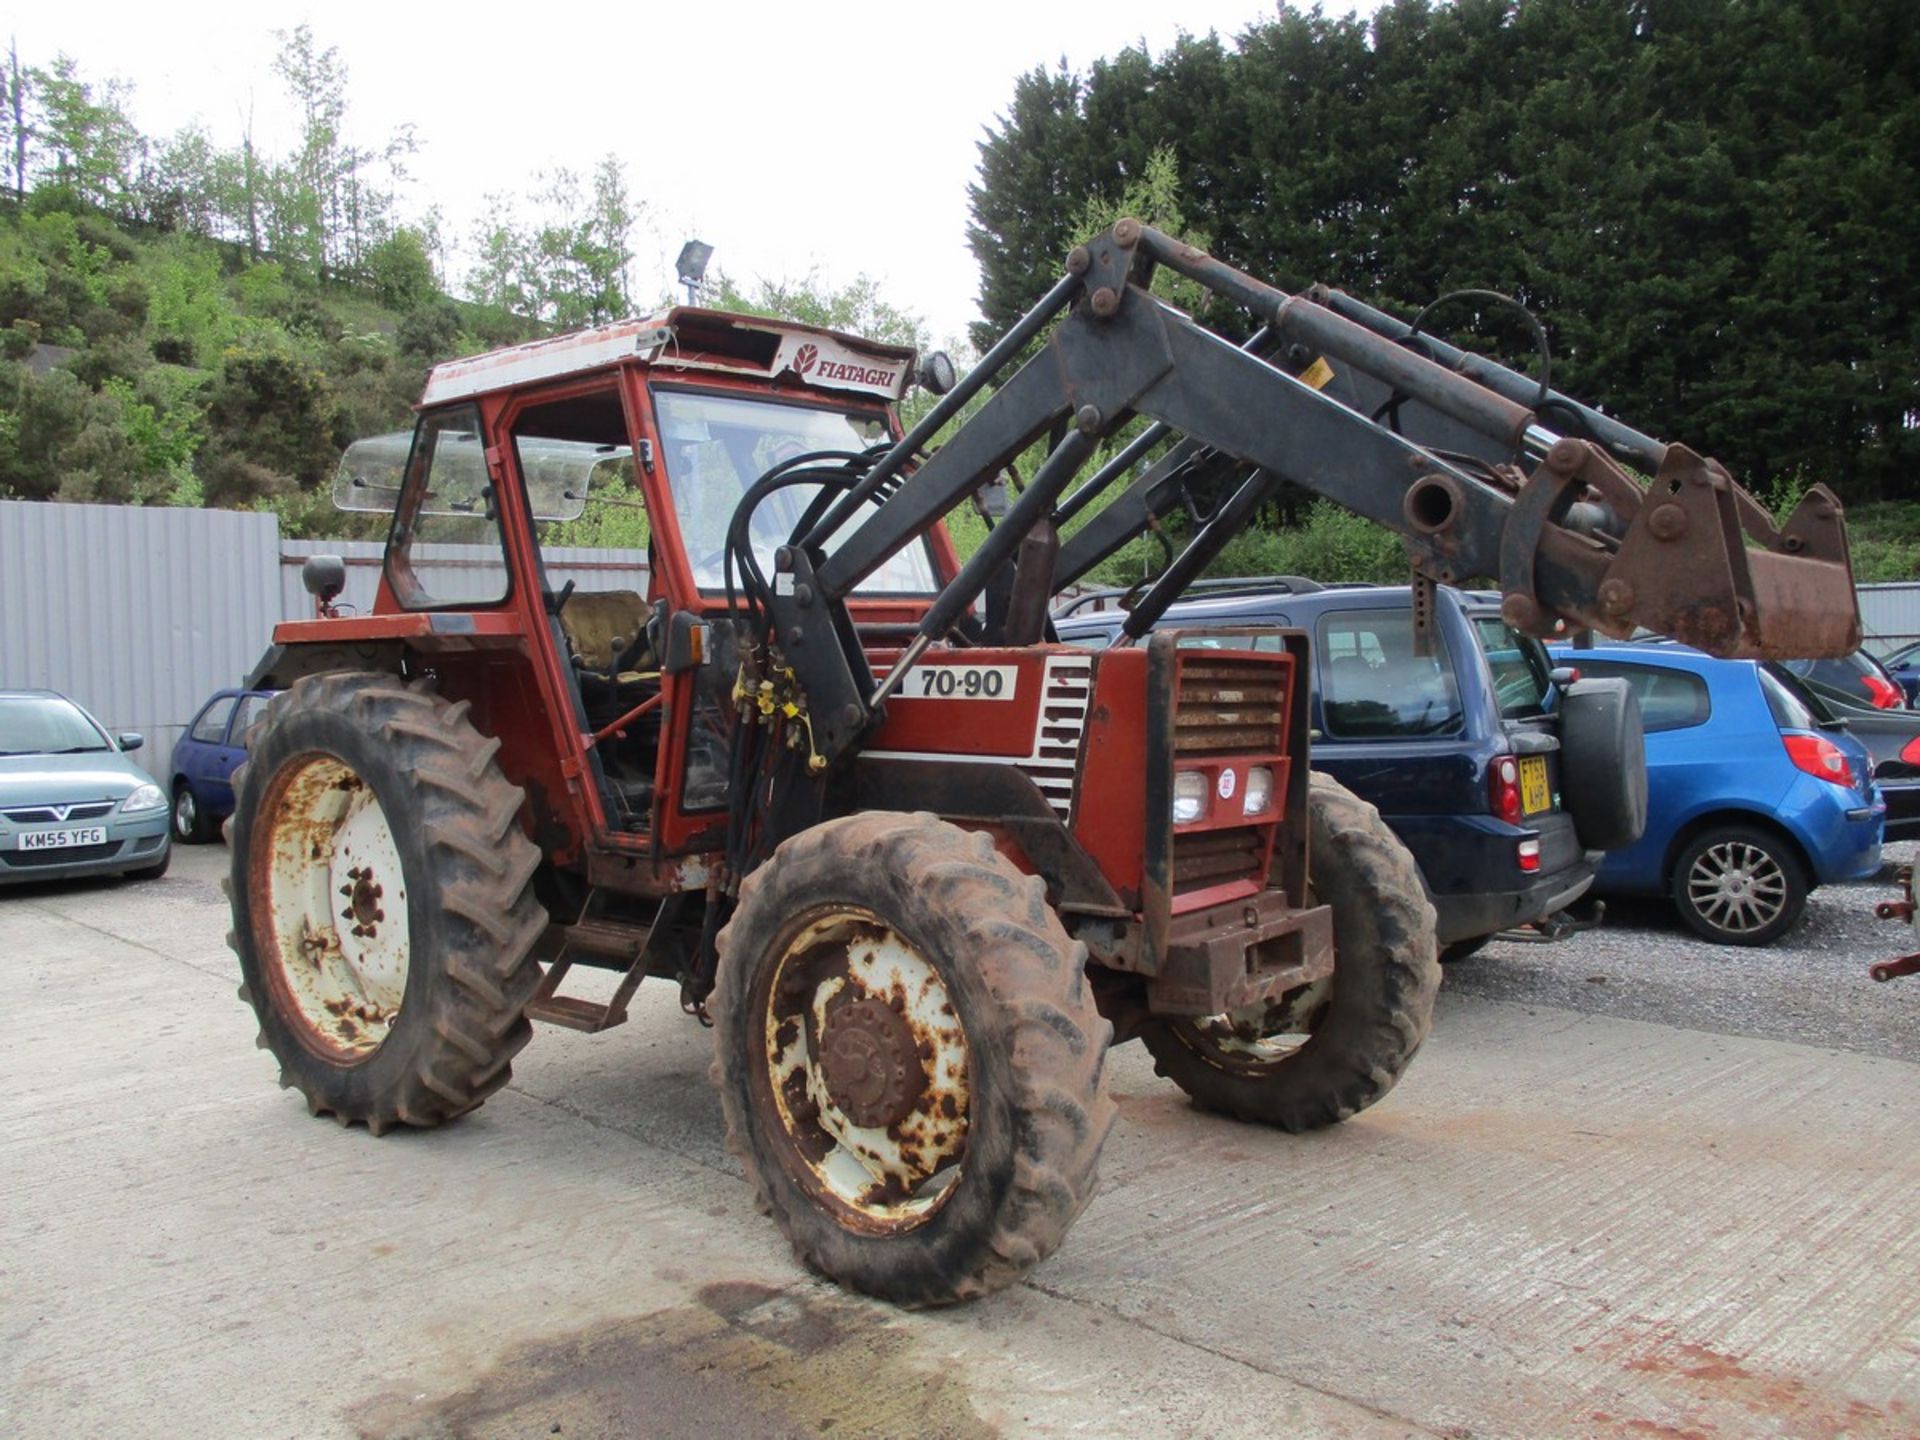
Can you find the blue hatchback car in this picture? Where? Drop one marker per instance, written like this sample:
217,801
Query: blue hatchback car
204,759
1752,800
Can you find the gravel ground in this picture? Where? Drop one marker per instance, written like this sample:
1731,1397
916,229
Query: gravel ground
1809,986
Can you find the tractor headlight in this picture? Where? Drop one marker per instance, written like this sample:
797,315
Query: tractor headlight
1189,797
145,797
1259,790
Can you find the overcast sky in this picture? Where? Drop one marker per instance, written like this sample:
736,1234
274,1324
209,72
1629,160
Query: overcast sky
832,136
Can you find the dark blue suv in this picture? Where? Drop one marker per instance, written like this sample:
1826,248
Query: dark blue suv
1461,751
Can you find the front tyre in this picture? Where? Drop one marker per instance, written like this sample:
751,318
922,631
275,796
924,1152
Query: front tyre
1325,1052
383,908
190,824
909,1057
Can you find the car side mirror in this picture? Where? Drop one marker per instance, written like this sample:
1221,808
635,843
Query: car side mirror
1562,676
130,740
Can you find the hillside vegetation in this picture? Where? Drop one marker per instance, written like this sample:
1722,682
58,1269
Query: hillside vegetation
186,322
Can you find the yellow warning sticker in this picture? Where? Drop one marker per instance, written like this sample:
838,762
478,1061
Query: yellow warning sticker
1317,374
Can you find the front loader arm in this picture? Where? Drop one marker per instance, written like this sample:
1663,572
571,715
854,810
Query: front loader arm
1573,538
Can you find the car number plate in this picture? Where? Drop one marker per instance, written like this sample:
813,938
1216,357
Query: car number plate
63,839
961,682
1535,794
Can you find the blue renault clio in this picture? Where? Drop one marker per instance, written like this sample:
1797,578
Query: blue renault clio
1753,799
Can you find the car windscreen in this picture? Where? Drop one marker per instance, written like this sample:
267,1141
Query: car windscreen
46,725
1519,665
718,445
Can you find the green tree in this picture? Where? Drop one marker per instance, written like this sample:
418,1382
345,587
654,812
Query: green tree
90,149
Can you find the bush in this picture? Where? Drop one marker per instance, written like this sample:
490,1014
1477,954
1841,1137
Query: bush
401,272
1331,544
275,408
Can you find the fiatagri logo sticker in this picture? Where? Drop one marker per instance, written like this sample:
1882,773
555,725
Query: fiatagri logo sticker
819,361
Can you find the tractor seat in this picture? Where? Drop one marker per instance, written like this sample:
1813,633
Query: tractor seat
606,629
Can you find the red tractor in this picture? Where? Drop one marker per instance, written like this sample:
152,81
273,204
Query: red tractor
917,865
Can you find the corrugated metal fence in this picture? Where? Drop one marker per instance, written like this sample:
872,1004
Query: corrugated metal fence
140,614
1890,614
136,613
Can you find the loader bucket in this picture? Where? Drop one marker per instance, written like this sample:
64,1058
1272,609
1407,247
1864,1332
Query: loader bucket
1702,563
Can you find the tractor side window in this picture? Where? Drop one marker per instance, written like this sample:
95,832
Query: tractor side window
445,550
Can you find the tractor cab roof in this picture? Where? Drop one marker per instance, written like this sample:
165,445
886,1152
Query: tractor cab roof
692,339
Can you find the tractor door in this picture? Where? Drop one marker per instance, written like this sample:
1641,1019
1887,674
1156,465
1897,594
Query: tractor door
603,617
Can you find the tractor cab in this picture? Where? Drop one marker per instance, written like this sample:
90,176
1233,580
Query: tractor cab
662,424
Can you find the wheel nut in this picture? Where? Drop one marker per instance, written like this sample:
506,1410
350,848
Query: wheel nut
1106,300
1616,597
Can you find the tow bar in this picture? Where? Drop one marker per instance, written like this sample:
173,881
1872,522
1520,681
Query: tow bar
1898,910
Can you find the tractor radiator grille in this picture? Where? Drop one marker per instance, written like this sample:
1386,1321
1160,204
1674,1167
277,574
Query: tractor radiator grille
1226,706
1213,857
1229,706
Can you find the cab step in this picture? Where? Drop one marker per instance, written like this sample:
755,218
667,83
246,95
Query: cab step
607,940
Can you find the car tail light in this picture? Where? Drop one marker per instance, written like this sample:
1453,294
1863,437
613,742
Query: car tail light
1886,695
1910,752
1527,852
1503,789
1820,758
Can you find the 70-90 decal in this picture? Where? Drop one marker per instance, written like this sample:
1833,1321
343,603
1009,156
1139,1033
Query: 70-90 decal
960,682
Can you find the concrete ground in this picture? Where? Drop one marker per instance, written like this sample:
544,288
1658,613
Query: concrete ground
1563,1223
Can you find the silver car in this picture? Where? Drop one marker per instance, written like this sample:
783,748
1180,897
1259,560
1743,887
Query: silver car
71,802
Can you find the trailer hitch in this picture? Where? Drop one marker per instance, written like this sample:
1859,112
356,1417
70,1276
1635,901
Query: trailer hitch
1901,909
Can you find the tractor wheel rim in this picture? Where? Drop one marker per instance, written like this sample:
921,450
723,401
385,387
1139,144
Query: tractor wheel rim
865,1070
184,814
1261,1036
334,944
1737,887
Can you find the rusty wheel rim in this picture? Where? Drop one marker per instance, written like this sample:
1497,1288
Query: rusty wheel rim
332,935
863,1070
1260,1037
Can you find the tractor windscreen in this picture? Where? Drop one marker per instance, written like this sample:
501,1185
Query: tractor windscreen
559,473
717,446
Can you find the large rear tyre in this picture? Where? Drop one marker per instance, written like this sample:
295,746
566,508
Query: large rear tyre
909,1057
1325,1052
382,896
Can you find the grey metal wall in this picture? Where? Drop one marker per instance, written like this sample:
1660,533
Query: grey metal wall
140,614
136,613
1890,614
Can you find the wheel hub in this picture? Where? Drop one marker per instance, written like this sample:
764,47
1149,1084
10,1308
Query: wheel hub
328,868
871,1063
866,1069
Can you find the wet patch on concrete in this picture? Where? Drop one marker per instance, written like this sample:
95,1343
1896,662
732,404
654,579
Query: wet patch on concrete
744,1362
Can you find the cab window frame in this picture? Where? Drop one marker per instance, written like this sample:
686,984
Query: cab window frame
403,533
